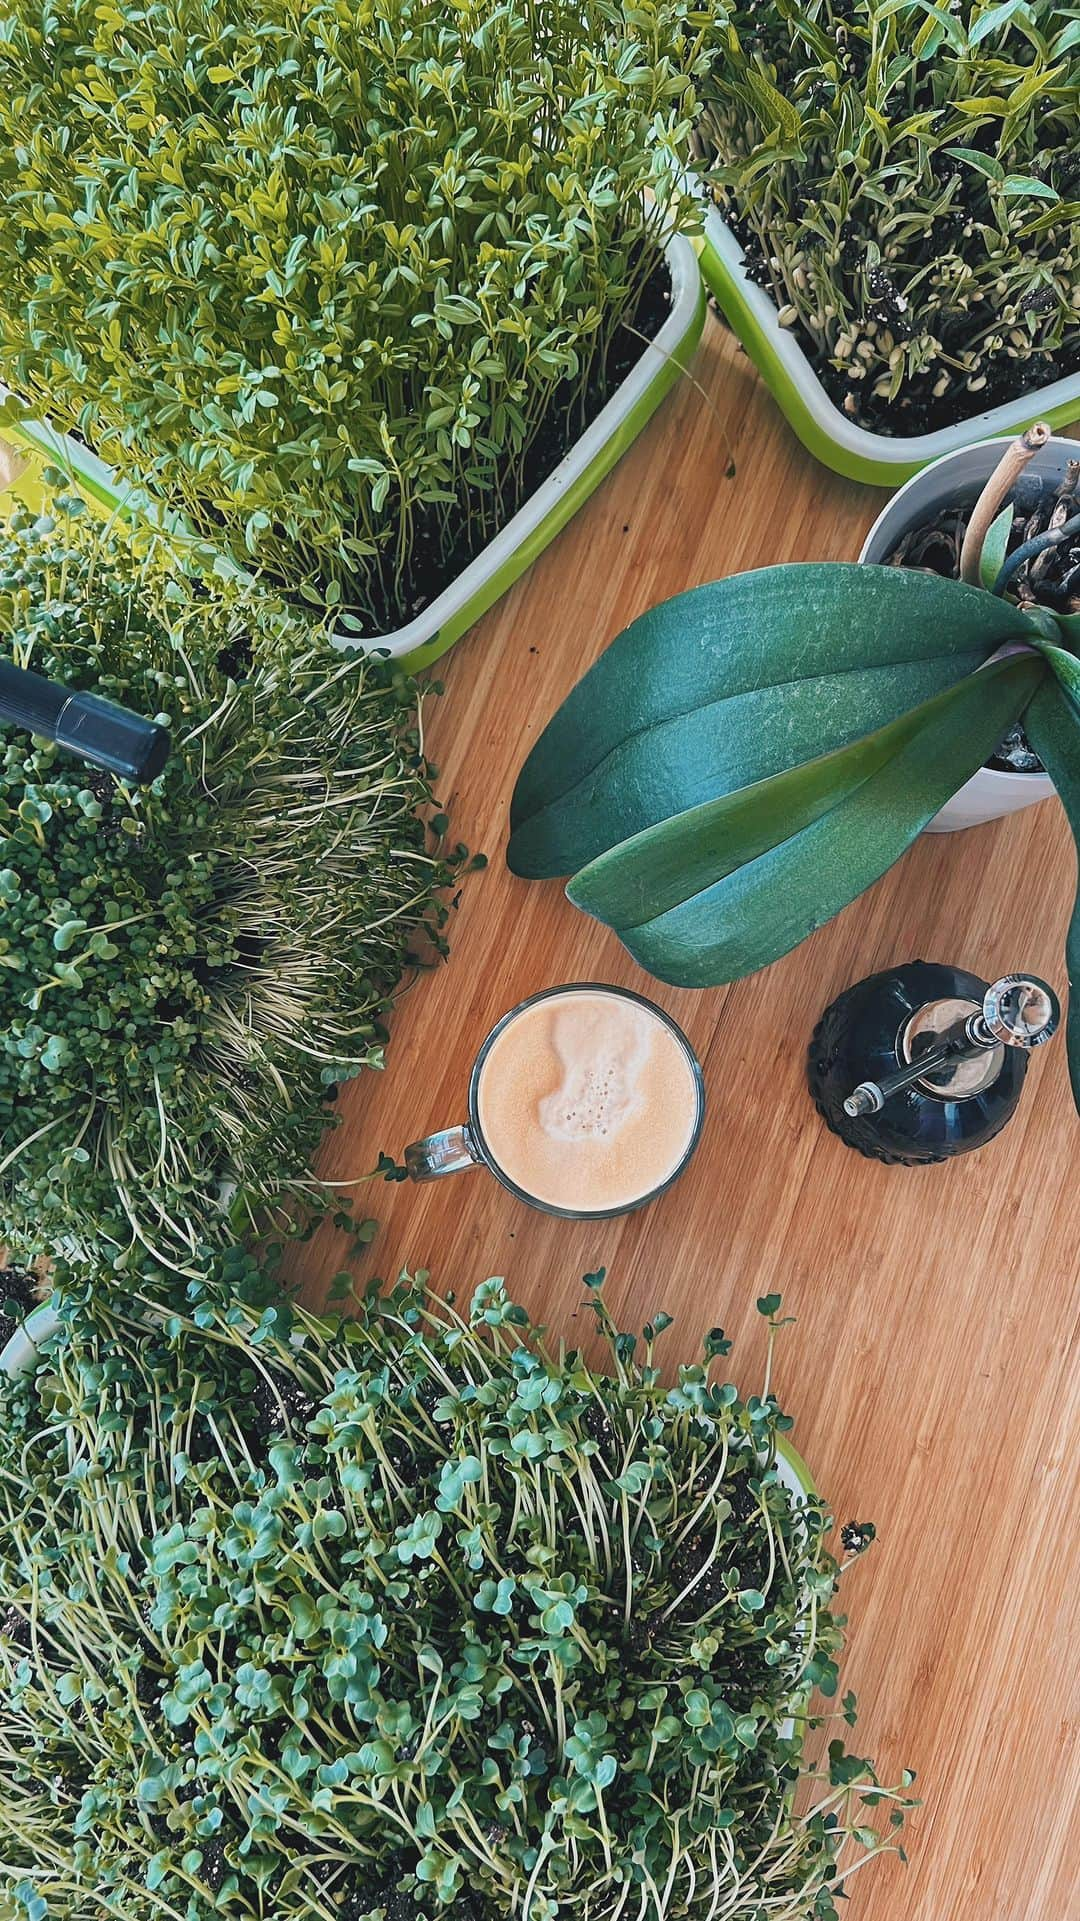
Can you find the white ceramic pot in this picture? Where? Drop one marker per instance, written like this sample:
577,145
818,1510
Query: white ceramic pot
960,477
17,1356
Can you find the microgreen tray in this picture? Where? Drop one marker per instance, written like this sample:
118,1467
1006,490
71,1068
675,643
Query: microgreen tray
823,428
578,475
531,529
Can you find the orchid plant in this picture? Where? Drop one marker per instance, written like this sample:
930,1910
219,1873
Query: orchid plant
747,758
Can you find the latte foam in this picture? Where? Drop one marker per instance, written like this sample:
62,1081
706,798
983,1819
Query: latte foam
588,1101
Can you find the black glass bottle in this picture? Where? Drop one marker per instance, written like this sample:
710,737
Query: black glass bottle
925,1061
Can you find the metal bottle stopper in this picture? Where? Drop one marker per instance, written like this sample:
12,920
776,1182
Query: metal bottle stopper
1017,1011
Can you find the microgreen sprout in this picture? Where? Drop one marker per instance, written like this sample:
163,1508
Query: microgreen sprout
189,970
409,1614
905,181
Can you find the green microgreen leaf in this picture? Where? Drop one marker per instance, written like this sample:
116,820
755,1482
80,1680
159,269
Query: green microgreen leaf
597,1676
190,970
913,210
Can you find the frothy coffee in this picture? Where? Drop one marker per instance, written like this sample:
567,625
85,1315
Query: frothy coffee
588,1101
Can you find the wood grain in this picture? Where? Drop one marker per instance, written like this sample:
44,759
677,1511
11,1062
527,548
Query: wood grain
931,1371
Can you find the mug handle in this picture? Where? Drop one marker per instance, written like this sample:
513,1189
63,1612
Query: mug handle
447,1153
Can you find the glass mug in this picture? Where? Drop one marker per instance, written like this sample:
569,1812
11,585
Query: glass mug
586,1101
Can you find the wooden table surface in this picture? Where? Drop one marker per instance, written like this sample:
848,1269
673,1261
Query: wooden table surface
930,1371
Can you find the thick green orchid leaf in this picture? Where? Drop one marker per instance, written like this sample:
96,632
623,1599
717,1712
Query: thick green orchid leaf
1066,668
1052,724
733,682
996,546
730,886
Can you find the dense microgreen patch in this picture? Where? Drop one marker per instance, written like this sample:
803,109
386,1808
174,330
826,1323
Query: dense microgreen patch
326,278
407,1615
905,181
188,970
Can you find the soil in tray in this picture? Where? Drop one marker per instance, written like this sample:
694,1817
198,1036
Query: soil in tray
916,409
1051,577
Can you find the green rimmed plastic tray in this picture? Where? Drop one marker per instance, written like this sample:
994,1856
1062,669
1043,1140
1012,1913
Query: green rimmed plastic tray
425,639
825,431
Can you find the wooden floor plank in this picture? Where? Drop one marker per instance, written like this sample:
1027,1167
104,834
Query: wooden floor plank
932,1371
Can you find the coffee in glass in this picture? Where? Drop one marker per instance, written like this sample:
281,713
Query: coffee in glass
586,1101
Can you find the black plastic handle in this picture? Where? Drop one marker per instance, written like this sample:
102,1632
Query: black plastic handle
97,730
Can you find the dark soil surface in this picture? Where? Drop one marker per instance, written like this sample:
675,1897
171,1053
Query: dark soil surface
915,410
19,1296
1049,578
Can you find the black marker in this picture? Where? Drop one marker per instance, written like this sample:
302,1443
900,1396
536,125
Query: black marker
98,731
